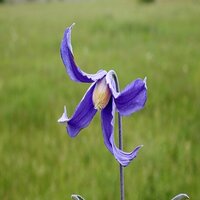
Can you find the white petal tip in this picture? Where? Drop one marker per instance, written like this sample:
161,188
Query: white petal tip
63,118
145,82
181,196
73,25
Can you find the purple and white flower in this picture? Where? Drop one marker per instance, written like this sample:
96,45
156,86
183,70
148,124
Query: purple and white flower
101,96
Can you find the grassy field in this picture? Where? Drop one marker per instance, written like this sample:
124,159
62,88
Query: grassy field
38,160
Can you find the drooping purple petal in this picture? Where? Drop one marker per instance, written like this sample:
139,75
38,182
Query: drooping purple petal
75,73
122,157
107,118
107,124
132,98
82,116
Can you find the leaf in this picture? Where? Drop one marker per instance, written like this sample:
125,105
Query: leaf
180,196
77,197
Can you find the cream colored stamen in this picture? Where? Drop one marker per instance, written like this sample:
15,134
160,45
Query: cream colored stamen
101,95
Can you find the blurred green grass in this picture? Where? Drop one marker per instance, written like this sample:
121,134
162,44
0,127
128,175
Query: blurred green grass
161,41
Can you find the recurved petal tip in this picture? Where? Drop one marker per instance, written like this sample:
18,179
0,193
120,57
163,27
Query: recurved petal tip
181,196
70,27
73,24
63,118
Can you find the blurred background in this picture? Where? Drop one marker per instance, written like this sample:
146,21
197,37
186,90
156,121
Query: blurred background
158,39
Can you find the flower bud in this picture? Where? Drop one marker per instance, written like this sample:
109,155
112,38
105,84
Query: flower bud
101,95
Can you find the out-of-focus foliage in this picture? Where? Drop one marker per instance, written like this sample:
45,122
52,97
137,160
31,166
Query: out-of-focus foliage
146,1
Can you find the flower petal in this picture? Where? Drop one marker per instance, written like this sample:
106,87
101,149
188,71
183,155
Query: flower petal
75,73
124,158
107,118
107,123
111,83
82,116
132,98
64,117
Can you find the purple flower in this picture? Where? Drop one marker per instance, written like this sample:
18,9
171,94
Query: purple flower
102,95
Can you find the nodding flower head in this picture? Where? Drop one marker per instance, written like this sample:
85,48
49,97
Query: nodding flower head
101,94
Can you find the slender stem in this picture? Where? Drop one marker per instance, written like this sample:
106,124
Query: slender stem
121,169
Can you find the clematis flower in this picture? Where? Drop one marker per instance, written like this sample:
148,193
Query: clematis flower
101,96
